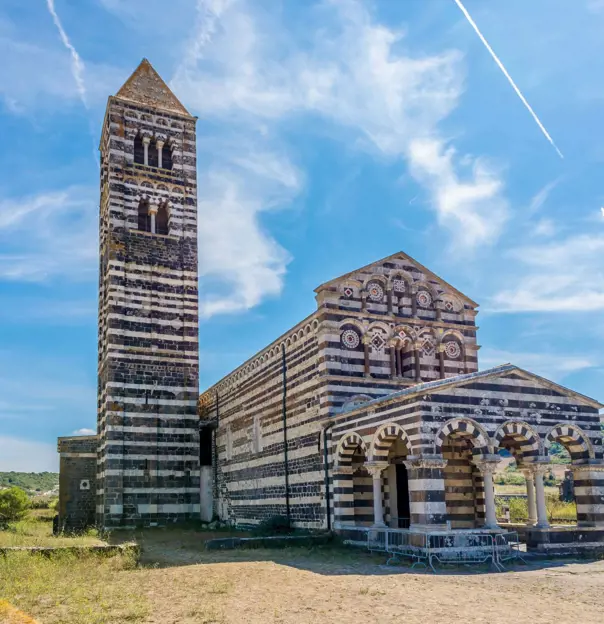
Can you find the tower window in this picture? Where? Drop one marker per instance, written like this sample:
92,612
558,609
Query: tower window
139,150
161,220
166,157
153,160
144,219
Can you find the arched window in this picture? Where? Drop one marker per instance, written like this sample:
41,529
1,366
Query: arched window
153,161
144,220
166,157
139,150
161,220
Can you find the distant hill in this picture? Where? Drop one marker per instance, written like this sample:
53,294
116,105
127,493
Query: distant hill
31,481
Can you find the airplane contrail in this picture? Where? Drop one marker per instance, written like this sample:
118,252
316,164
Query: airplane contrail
505,73
77,65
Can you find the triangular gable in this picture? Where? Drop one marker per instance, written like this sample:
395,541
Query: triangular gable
399,256
145,86
509,371
503,371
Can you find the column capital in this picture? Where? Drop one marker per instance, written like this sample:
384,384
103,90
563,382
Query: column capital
487,463
539,467
159,143
342,470
440,347
426,461
153,207
375,469
146,139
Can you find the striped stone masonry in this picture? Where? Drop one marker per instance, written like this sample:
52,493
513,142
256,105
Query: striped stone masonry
148,452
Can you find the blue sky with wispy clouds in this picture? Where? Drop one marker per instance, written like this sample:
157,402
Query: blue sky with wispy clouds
330,134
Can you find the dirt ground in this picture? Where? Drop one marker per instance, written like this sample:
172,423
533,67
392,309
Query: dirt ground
329,586
179,582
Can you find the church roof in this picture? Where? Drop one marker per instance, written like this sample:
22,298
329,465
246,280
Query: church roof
400,256
145,86
497,371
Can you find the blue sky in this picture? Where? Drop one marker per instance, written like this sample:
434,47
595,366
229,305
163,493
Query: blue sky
330,134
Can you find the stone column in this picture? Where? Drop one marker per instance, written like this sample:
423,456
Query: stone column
414,302
538,471
146,142
152,214
363,302
418,372
399,361
366,352
530,497
392,347
389,299
343,496
441,360
487,466
438,310
427,505
159,145
588,482
375,470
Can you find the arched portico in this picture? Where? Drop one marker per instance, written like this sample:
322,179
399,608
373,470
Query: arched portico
468,475
389,448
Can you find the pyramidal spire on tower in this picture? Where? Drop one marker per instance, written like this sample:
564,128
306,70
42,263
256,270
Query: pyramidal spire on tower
145,86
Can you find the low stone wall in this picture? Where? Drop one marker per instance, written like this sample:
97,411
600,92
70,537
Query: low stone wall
106,550
275,541
559,541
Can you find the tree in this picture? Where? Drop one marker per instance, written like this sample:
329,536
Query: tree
14,505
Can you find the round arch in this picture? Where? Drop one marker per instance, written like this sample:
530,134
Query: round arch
468,427
522,436
574,439
384,438
346,448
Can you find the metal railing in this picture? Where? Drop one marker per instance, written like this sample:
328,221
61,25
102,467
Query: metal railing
445,547
396,522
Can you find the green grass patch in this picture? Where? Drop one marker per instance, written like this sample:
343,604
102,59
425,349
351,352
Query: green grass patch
36,530
83,589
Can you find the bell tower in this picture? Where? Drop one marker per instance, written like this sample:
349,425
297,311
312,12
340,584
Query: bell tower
148,452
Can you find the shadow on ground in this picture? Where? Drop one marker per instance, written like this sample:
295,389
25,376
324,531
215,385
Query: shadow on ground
176,547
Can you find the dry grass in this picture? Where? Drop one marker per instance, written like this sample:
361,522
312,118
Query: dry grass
521,489
66,589
181,583
36,530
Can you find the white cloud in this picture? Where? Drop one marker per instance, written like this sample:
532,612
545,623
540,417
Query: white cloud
84,432
244,68
49,234
545,227
22,455
561,276
542,196
554,366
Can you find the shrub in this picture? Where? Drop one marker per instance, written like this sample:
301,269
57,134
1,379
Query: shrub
14,505
558,510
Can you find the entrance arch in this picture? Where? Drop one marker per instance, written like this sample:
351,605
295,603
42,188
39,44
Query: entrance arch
462,441
391,446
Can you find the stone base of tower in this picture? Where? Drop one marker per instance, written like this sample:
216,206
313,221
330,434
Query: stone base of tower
139,505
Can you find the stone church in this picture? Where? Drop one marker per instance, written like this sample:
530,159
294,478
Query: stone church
371,411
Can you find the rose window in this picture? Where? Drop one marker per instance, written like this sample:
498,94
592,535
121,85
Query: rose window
350,339
452,350
376,292
424,299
